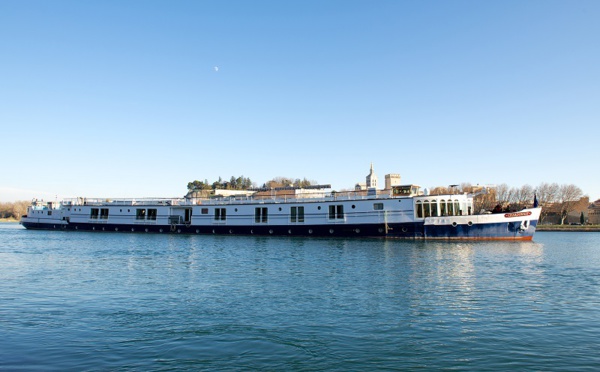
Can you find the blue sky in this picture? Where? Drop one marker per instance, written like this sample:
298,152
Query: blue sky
137,98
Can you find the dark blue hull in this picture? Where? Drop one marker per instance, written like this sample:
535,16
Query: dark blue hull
490,231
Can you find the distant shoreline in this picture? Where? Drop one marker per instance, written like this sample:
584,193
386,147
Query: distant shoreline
568,228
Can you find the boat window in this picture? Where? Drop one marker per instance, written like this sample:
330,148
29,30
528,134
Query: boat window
104,213
220,214
419,209
378,206
443,208
152,214
204,211
140,214
297,214
427,208
260,215
94,213
434,209
450,208
336,212
457,211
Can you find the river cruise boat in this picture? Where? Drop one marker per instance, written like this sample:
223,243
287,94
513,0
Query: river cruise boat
403,211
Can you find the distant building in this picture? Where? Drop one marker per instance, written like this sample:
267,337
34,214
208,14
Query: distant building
371,179
594,213
391,180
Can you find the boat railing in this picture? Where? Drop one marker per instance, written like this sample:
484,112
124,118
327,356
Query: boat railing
226,200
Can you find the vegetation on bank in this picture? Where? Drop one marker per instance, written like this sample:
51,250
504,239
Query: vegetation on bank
13,211
245,183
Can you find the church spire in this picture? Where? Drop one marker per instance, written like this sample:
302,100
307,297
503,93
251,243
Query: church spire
371,178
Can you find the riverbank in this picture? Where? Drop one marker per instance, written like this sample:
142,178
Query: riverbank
573,228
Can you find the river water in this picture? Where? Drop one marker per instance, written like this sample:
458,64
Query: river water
72,301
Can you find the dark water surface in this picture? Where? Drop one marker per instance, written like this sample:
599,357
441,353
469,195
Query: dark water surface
118,301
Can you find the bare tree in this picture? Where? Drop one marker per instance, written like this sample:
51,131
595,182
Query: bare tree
503,193
523,197
568,197
547,195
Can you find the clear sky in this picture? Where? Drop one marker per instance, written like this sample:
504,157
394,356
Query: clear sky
137,98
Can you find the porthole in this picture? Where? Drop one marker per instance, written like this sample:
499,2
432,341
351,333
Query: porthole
230,231
251,231
357,231
103,229
178,231
146,230
213,231
236,209
404,229
270,231
380,230
132,229
310,230
454,224
331,231
319,207
197,231
353,206
470,223
279,209
289,231
76,227
93,228
161,230
116,229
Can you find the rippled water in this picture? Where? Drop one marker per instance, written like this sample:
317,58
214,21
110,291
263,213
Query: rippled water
110,301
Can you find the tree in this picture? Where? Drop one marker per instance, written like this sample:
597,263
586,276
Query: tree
523,197
547,195
568,196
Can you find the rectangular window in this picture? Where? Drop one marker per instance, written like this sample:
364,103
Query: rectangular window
340,211
434,211
378,206
152,214
204,211
427,208
94,213
336,212
419,210
261,215
450,208
140,214
104,213
220,214
297,214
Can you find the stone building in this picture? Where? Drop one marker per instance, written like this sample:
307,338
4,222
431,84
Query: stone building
594,213
391,179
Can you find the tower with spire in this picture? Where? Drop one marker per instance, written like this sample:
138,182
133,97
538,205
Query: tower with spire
371,179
